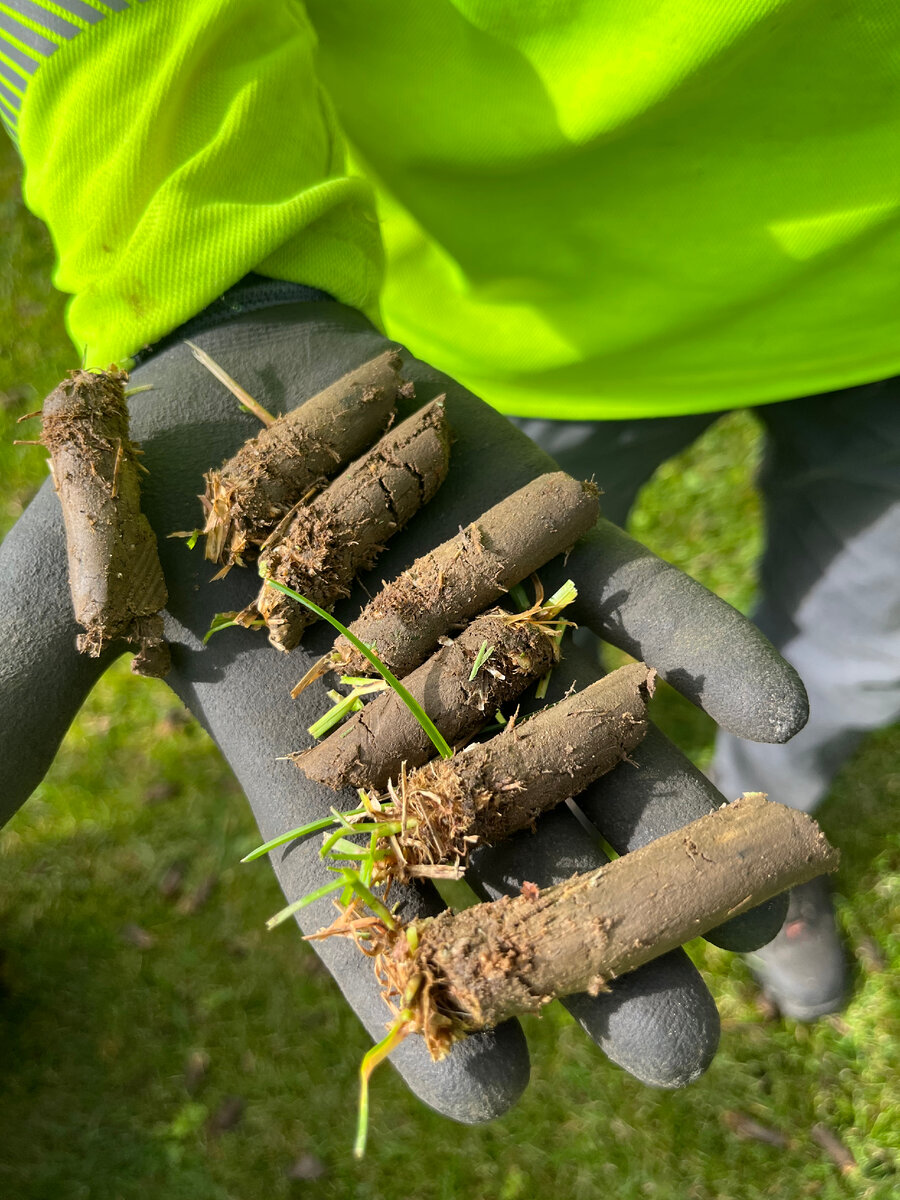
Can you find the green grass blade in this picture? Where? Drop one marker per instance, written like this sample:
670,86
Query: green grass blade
540,692
368,865
519,596
562,597
302,831
386,829
438,739
484,653
342,847
309,898
226,621
223,620
371,1059
340,709
366,895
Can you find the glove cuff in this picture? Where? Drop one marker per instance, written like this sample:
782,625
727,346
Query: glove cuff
249,294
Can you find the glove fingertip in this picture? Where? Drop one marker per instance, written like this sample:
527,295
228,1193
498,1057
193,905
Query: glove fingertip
696,641
753,929
659,1023
481,1079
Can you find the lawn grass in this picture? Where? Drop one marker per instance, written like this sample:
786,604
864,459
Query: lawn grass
133,946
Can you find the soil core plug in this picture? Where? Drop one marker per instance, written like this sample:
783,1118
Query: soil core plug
320,547
461,687
115,576
447,976
460,578
492,789
250,493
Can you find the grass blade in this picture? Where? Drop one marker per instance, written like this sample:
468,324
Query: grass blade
303,831
437,738
340,709
325,890
386,829
519,596
235,388
371,1059
484,653
353,879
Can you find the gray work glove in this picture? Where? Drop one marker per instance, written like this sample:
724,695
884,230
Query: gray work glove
660,1022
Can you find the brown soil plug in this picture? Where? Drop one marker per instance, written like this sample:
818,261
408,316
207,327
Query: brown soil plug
115,576
249,494
453,974
492,789
369,748
320,547
463,576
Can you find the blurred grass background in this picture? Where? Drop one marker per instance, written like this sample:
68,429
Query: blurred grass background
154,1041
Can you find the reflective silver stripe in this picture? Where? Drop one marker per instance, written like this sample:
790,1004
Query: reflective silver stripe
11,98
28,37
13,76
40,16
18,57
78,9
13,14
10,121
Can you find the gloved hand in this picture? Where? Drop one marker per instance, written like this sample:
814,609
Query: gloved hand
660,1023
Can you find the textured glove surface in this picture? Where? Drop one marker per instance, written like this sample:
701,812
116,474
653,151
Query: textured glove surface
660,1023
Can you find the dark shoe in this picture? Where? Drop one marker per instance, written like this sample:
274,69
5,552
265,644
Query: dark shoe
803,970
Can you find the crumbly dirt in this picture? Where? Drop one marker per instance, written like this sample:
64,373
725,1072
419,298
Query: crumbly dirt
252,492
447,587
115,576
369,748
321,546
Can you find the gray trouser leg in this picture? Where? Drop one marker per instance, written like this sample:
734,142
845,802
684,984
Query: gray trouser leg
619,455
830,577
830,584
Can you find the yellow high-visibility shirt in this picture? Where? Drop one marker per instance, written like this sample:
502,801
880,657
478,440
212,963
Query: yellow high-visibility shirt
588,208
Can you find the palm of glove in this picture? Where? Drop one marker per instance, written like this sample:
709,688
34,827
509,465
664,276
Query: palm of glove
238,685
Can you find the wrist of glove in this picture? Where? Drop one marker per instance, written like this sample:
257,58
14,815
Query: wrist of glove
660,1023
